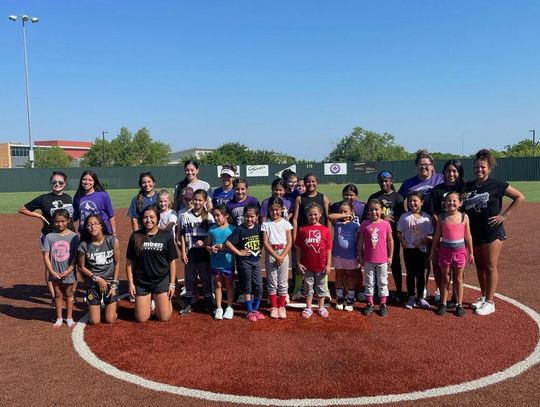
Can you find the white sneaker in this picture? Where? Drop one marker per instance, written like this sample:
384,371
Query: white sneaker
241,299
478,303
218,314
287,299
486,308
425,293
153,306
229,313
437,295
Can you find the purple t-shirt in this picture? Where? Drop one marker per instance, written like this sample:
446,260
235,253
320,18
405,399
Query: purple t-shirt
96,203
423,186
236,209
286,208
358,209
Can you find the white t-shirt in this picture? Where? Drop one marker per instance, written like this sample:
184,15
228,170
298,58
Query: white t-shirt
276,231
413,229
167,217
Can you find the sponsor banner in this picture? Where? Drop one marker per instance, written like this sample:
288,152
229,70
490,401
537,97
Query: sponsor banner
237,173
365,167
256,170
292,168
335,169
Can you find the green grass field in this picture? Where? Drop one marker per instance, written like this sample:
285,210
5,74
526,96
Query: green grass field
10,202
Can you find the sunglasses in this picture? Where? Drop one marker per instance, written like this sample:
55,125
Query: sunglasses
58,182
384,174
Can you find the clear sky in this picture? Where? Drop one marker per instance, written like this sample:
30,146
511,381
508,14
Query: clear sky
291,76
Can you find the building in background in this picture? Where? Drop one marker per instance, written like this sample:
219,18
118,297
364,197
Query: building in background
197,152
15,155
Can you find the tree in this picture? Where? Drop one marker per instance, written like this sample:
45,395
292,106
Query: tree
240,154
523,148
367,145
128,150
53,157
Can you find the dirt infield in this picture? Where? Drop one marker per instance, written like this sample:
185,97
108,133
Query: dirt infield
40,365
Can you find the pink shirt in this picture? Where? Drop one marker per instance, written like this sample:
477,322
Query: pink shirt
375,235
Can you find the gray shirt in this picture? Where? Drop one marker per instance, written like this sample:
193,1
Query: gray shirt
99,259
62,251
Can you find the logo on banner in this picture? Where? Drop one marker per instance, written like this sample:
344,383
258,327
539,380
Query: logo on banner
292,168
335,169
257,171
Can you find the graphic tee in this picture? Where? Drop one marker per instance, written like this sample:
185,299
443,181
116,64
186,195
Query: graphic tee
151,265
358,210
223,259
413,229
423,186
249,239
314,242
96,203
62,251
193,228
236,209
48,204
221,197
345,240
99,259
392,206
375,243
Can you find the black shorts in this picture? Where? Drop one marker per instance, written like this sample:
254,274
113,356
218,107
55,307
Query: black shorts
156,288
94,296
483,237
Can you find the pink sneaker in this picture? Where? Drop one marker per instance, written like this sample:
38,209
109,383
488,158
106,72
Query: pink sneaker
274,313
259,315
251,317
282,313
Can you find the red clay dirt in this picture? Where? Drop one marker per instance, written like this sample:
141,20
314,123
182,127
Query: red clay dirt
346,355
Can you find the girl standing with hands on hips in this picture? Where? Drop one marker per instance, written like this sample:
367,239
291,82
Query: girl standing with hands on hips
99,261
59,254
483,203
151,267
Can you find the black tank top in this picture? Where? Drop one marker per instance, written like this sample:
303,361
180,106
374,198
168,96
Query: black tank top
304,203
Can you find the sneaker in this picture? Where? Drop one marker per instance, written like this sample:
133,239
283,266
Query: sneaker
297,296
58,323
425,293
259,315
282,313
287,299
367,310
383,310
441,309
241,299
327,297
218,315
186,309
460,311
451,304
478,303
395,298
70,323
349,306
437,295
485,309
251,317
152,305
339,304
229,313
422,302
410,304
361,297
274,313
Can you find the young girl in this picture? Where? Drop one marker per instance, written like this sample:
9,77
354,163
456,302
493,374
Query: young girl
225,192
456,243
99,261
167,217
277,241
151,267
145,197
194,226
375,248
290,180
90,199
221,260
300,186
349,193
344,255
59,254
392,203
300,219
415,230
245,243
314,254
240,201
278,190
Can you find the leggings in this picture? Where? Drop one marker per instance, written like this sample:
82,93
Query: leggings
415,263
396,265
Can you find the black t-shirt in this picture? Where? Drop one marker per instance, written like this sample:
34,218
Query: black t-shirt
151,265
305,200
48,204
438,195
392,205
481,203
249,239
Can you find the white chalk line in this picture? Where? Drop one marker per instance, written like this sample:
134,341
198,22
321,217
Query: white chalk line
518,368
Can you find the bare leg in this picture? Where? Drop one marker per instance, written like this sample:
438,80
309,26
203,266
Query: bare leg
163,306
491,255
142,307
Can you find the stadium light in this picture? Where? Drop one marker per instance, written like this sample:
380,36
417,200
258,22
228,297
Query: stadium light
24,19
534,139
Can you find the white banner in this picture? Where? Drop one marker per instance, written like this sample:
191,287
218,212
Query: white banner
292,168
256,170
335,169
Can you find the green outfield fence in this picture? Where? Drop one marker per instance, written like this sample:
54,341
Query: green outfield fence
23,179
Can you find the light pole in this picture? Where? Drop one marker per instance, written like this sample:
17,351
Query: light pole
103,145
24,19
534,139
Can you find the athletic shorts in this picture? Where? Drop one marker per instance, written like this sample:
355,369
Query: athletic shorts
345,264
452,257
41,242
94,296
156,288
225,273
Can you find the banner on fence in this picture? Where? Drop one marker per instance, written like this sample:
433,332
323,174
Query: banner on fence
256,170
335,169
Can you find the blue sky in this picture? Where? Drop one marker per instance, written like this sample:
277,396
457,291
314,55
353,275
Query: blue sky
291,76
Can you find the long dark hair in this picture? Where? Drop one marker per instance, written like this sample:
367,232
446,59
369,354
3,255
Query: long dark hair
85,235
97,184
460,183
140,194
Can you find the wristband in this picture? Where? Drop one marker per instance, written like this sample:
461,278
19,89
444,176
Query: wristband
172,285
94,278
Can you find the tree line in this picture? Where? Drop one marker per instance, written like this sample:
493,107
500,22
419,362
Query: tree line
139,149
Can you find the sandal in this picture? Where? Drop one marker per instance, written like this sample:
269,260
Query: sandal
322,312
71,323
58,323
307,313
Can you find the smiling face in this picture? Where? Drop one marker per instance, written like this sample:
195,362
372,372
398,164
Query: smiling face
219,218
87,183
314,215
311,184
94,227
164,202
349,195
385,184
451,175
198,202
58,183
226,181
481,170
278,190
415,204
191,172
250,218
424,168
291,183
150,221
452,202
240,191
374,211
147,185
275,211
